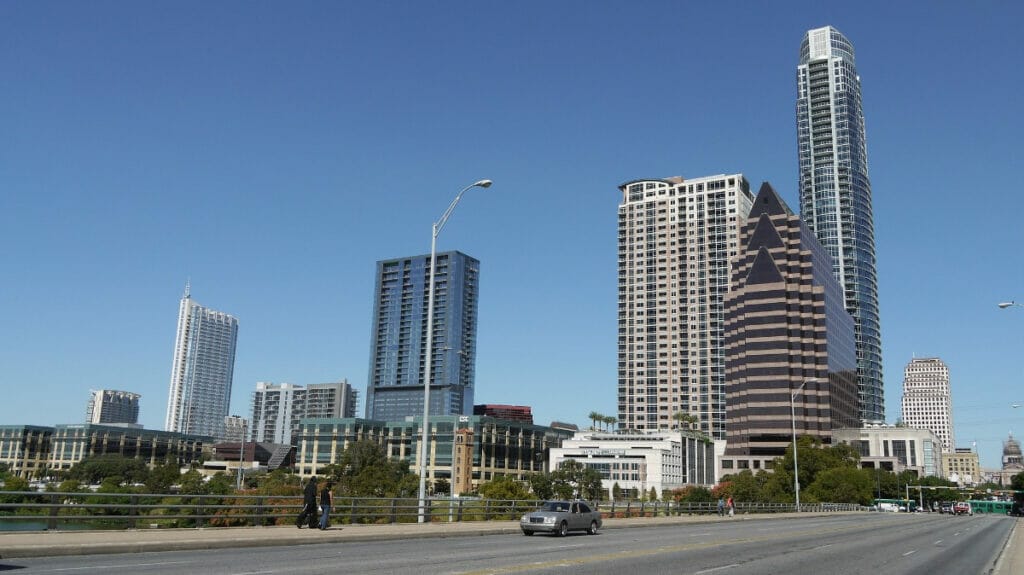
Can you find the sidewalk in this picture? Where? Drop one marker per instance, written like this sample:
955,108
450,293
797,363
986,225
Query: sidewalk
1011,560
53,543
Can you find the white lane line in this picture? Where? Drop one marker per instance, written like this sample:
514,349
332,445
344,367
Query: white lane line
94,567
713,569
911,552
822,546
939,541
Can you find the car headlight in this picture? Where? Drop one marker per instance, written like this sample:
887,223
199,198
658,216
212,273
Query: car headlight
549,521
524,519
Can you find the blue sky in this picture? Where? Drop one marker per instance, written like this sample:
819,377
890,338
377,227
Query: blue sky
272,152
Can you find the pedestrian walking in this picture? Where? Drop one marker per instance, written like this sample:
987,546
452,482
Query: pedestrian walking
326,502
308,504
721,506
731,506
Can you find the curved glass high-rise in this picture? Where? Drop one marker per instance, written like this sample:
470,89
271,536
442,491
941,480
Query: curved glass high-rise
835,192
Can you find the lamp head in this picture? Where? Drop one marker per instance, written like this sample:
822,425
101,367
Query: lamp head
483,184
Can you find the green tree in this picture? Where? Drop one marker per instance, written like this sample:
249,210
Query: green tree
542,485
162,477
364,470
96,469
574,479
504,487
611,420
442,486
842,485
14,483
616,491
594,417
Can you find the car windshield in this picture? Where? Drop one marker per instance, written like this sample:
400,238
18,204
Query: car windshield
555,506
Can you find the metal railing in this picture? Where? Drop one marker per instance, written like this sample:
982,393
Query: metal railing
62,511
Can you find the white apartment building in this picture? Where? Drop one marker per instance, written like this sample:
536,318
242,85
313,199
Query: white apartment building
112,407
927,402
676,239
277,409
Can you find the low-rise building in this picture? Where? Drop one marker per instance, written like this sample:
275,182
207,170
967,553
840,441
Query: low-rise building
894,448
72,443
25,449
962,466
639,461
496,447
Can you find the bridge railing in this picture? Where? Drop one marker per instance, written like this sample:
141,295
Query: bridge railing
61,511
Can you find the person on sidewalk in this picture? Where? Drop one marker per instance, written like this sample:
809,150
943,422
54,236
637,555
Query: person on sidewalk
731,506
721,506
326,501
308,503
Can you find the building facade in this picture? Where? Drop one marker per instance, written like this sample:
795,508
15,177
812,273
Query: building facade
509,412
497,447
786,334
25,450
277,409
399,337
202,370
72,443
638,462
108,406
895,449
1012,463
835,193
962,466
676,238
927,401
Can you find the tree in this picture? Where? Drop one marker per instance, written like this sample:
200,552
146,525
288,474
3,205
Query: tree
442,485
594,416
616,491
652,495
542,485
162,477
96,469
364,470
842,485
574,479
611,420
504,487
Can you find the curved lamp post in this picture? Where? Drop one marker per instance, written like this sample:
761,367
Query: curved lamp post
792,415
438,226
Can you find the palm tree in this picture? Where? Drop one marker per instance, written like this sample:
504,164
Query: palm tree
689,419
611,420
594,416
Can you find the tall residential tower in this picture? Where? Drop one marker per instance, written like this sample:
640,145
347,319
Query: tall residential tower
676,238
927,402
835,192
399,337
202,370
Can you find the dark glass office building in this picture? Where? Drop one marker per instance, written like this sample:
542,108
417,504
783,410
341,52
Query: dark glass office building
399,337
785,327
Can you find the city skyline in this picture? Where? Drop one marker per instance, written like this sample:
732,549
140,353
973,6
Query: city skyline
274,153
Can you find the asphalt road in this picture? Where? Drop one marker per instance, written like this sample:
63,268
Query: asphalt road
887,543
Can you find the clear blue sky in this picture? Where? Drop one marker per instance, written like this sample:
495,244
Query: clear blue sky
272,152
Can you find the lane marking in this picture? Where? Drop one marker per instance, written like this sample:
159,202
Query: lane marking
713,569
939,541
119,566
911,552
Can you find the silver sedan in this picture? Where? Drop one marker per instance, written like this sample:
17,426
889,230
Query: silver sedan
561,517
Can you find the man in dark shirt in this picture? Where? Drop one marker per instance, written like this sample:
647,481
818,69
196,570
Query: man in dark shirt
308,503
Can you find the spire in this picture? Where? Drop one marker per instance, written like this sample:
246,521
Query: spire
188,289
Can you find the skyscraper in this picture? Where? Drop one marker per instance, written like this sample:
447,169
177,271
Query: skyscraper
202,370
835,192
399,337
110,406
785,328
676,237
927,402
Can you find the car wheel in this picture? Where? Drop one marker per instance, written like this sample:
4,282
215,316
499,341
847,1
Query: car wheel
593,528
527,533
563,529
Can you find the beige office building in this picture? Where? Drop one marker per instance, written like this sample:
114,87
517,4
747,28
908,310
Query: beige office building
676,239
927,402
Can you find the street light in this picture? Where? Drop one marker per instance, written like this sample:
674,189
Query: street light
792,416
438,225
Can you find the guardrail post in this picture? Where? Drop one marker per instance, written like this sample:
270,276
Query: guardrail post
629,505
133,510
51,523
487,510
352,511
394,511
259,519
459,517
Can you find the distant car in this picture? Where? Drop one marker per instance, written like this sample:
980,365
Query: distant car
561,517
962,508
946,507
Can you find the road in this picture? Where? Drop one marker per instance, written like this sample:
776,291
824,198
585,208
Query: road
889,543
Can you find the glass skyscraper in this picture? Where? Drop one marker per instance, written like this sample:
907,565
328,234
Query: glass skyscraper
202,371
835,193
399,337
